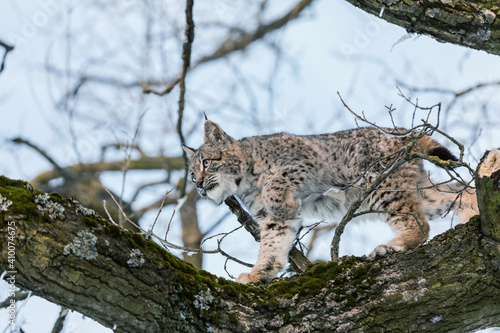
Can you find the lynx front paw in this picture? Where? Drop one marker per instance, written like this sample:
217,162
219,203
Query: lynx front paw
383,250
251,277
245,278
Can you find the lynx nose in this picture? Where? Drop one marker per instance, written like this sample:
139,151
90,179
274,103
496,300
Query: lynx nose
199,184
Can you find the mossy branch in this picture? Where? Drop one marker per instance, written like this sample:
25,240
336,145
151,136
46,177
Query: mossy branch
68,255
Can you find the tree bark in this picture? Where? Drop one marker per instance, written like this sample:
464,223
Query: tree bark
69,256
473,24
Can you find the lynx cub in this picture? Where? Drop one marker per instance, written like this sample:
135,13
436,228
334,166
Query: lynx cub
283,177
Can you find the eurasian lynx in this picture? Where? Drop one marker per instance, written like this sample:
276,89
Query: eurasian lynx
282,178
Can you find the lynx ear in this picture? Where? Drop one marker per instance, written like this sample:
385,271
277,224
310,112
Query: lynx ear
189,151
215,136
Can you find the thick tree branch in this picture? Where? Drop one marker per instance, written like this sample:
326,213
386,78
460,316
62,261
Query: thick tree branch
468,23
67,255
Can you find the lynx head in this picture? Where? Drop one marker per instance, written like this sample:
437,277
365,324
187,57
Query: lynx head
214,167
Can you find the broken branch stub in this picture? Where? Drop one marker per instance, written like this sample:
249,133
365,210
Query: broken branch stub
488,193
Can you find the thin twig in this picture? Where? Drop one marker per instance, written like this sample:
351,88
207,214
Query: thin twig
168,245
106,210
160,209
127,161
334,248
244,39
7,48
403,155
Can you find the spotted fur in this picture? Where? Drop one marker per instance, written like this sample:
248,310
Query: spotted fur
282,178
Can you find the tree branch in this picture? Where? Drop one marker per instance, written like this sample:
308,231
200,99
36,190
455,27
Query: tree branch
60,171
143,163
67,255
245,38
468,23
186,61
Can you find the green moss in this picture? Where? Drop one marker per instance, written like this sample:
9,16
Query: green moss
349,279
233,319
229,291
56,197
312,286
351,300
7,182
22,196
91,222
138,239
112,229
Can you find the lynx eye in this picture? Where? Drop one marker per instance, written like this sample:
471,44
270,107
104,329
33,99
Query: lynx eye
193,177
206,163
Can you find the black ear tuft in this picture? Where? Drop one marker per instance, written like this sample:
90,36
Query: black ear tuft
206,118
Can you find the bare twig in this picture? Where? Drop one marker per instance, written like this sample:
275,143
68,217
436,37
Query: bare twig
246,38
165,91
160,209
316,232
60,171
398,158
128,158
8,48
168,245
107,212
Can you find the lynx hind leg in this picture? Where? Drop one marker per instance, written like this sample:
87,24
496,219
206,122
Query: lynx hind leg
466,206
276,240
407,221
436,201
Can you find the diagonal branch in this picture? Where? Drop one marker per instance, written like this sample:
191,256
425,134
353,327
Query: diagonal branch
59,171
297,259
245,38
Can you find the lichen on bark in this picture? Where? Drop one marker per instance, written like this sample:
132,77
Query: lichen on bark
451,283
